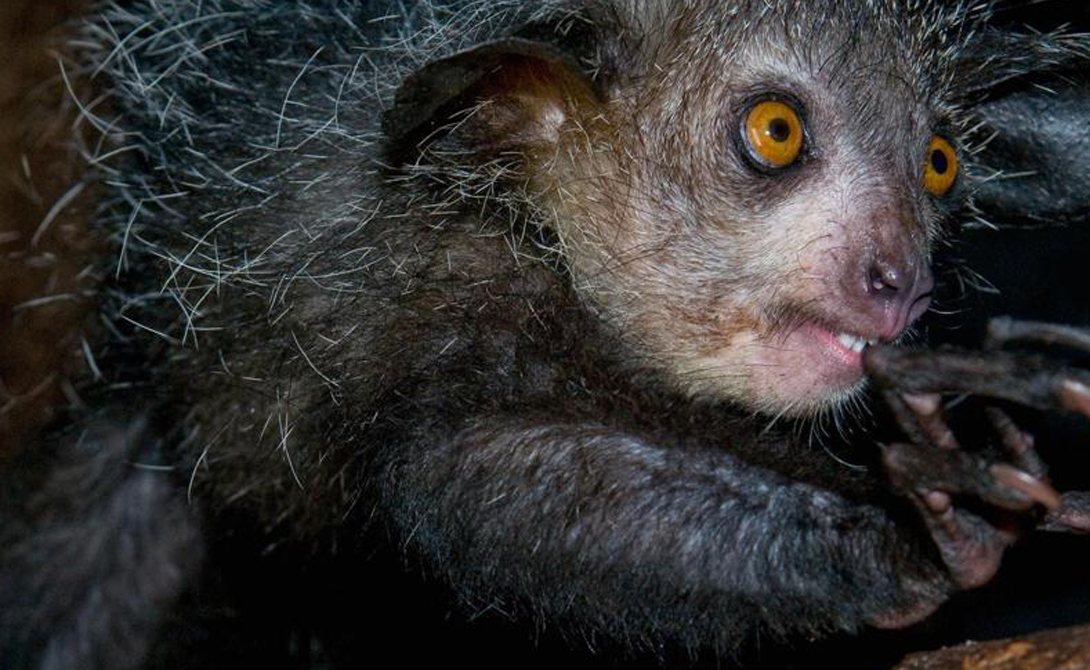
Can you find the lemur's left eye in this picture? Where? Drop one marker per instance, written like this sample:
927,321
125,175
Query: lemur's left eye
773,134
940,167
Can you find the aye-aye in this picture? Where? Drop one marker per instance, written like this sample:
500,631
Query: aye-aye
538,294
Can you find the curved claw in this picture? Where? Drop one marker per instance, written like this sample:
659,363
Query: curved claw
924,469
1075,396
1019,444
1032,487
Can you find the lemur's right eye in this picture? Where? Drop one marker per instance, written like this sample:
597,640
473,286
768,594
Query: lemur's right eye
772,132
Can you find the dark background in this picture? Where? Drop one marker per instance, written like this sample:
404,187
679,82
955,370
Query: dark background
265,613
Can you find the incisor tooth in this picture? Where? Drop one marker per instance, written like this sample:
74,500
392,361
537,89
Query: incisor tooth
856,344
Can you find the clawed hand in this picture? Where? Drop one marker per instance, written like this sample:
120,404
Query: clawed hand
973,507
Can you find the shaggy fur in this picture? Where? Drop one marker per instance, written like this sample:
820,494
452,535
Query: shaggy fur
353,305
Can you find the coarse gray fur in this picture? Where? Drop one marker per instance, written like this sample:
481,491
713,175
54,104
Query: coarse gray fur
487,344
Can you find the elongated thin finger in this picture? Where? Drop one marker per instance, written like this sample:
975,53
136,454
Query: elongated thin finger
1018,443
906,417
970,548
1026,379
921,469
932,421
1004,329
1073,516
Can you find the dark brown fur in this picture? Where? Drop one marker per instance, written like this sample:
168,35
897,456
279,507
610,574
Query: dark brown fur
477,305
42,253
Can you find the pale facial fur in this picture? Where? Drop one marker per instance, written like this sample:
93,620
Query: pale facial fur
748,286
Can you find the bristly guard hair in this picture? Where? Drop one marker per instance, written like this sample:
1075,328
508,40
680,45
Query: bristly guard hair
259,149
498,285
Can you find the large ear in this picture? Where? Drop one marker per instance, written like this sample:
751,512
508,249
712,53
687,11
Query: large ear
1036,162
1029,89
496,97
1033,112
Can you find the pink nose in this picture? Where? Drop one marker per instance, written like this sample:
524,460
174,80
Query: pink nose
901,291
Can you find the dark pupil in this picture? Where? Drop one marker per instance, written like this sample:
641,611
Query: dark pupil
938,161
779,130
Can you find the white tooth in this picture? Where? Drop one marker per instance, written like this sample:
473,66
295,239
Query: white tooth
856,344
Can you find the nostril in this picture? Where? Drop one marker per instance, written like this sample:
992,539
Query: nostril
896,291
884,279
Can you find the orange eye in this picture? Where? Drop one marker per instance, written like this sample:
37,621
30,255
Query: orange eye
940,167
773,133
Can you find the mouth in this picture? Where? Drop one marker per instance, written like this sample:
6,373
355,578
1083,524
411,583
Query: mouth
853,343
799,360
838,354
